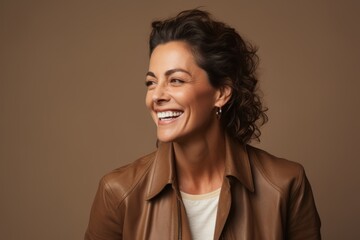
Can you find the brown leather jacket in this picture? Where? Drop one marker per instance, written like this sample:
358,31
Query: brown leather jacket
262,197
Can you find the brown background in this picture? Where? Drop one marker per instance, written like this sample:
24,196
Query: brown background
72,102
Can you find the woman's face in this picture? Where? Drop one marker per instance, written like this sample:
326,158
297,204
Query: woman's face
179,95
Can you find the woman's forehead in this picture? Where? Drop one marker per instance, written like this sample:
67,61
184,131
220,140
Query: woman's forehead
172,55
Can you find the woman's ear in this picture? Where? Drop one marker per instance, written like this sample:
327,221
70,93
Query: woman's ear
224,94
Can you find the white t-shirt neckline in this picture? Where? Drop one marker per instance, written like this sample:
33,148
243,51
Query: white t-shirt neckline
201,210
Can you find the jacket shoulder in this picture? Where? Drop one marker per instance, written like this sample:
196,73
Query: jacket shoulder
121,181
281,173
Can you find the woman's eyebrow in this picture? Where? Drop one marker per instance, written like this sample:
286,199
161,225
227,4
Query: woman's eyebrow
171,71
151,74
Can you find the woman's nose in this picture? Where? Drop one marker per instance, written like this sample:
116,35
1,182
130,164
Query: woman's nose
160,94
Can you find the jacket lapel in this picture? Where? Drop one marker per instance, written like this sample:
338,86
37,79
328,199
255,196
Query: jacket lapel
162,172
237,165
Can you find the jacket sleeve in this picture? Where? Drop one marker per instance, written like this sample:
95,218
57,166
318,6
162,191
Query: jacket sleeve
106,219
303,219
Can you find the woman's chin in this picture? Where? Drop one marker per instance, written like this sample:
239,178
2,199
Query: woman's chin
165,139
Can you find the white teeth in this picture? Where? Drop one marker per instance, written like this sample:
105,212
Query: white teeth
168,114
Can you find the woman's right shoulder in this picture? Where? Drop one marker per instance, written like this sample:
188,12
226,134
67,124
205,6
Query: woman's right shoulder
124,179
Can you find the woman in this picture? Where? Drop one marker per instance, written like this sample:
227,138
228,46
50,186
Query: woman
204,181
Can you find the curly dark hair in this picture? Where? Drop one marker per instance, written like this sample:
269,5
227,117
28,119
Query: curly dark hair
228,60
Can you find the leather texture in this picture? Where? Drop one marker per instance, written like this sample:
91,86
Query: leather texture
262,197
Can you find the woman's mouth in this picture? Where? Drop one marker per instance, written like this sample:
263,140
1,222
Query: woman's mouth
168,115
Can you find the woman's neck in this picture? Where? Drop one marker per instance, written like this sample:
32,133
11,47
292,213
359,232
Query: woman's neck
200,163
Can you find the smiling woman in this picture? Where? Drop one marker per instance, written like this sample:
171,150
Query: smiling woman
204,181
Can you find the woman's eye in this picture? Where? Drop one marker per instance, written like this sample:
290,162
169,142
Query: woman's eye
149,83
176,81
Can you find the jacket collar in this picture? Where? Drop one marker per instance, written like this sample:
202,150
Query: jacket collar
163,172
237,163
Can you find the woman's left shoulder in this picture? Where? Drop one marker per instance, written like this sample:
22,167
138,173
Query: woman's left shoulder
269,160
277,170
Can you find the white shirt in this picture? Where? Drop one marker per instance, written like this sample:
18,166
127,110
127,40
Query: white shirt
201,212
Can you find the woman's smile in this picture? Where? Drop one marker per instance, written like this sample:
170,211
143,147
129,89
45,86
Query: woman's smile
168,116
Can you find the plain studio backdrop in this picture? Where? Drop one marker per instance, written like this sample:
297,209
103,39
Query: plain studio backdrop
72,102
